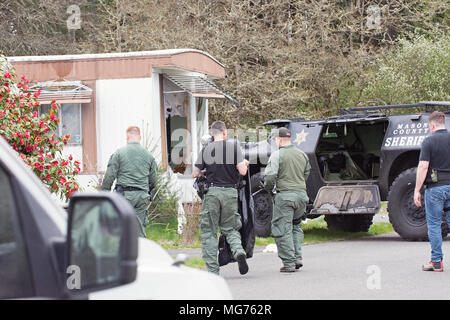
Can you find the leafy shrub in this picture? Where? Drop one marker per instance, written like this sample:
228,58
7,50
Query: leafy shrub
32,134
416,71
165,201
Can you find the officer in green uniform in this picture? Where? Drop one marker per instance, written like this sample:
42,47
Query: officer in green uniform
135,170
287,170
222,162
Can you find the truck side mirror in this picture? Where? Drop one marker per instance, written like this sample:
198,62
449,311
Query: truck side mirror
102,243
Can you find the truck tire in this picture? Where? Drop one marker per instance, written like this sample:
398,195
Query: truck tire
263,207
349,222
408,220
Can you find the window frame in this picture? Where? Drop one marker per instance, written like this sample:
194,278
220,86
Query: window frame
60,116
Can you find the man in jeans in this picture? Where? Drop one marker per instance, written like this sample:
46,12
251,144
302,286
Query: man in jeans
434,171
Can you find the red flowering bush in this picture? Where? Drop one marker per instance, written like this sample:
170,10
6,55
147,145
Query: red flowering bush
32,134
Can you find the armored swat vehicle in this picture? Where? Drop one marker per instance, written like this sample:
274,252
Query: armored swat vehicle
359,158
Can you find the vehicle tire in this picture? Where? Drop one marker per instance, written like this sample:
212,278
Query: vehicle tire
408,220
255,181
263,207
349,222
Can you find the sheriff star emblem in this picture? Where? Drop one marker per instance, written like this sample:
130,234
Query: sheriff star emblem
300,137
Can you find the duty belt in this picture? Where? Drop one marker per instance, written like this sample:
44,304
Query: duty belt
443,175
223,185
131,189
443,178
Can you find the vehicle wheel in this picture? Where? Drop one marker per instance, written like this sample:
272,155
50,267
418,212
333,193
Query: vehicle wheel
263,207
349,222
255,181
408,220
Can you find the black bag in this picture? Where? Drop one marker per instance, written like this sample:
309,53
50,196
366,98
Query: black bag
225,255
245,208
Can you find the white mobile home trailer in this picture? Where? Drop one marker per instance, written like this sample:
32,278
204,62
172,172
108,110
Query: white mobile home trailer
163,92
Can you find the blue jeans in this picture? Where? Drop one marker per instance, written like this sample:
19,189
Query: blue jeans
436,199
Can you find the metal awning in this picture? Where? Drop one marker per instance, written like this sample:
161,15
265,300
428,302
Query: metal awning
199,86
62,91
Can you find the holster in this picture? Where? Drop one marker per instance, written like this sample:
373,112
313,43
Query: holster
119,189
201,185
437,176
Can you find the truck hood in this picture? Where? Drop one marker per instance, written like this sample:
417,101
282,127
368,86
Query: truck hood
158,279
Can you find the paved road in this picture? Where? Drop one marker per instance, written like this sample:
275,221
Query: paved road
342,270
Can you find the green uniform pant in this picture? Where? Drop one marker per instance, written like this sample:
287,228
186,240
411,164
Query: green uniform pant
288,210
220,210
140,200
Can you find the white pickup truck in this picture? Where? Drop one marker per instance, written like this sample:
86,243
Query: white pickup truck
93,252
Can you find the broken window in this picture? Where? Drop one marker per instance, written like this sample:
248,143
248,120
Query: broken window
70,116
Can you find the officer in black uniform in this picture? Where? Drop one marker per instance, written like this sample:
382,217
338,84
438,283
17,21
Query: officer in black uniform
222,162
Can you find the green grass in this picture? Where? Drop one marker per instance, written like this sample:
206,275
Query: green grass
167,237
316,231
383,208
198,263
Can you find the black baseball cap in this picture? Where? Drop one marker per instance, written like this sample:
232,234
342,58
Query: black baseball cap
283,133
